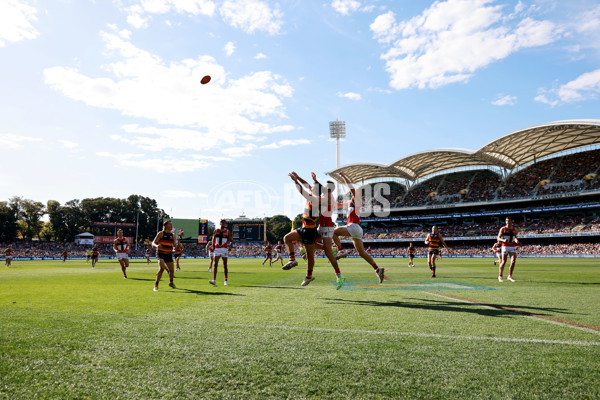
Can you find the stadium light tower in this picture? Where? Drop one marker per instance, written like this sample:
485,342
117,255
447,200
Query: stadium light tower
337,131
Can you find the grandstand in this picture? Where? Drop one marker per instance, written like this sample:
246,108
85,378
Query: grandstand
545,177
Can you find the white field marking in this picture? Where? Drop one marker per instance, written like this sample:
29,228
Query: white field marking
581,328
415,334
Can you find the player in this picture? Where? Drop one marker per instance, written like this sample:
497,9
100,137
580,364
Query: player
433,241
508,239
497,249
307,234
164,243
210,249
121,248
278,253
411,255
65,255
178,251
8,256
88,254
326,226
269,254
95,253
354,230
148,254
221,243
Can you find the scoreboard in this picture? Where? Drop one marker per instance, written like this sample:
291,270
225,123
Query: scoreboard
246,231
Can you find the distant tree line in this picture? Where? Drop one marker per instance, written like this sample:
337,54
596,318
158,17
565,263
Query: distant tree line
21,217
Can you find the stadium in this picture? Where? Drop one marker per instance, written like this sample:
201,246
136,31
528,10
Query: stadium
545,177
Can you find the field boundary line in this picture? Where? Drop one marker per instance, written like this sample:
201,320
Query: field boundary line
415,334
553,320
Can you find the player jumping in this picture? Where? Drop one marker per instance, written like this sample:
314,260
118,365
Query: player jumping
354,230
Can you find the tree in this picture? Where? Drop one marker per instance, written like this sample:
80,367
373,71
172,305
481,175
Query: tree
277,227
8,222
29,215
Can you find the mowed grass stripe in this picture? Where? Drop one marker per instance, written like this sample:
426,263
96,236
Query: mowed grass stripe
412,334
559,321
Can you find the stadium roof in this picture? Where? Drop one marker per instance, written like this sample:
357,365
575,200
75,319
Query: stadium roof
509,151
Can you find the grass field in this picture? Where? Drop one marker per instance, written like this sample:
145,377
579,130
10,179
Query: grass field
70,332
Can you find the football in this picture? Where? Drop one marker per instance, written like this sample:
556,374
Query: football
205,79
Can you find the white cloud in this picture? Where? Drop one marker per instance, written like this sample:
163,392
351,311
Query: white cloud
139,13
252,15
166,165
589,21
451,40
248,149
229,48
68,144
344,7
584,87
12,141
190,116
16,21
505,100
260,56
350,96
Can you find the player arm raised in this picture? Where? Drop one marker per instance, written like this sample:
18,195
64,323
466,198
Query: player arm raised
297,180
350,186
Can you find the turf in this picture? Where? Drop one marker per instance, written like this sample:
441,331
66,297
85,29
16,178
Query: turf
70,332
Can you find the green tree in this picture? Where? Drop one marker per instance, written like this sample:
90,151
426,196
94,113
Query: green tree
8,222
29,215
277,227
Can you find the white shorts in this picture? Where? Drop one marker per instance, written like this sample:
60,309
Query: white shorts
211,254
122,256
509,250
278,255
355,231
498,254
221,252
326,231
9,258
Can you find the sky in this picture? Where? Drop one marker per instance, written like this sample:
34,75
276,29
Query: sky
102,98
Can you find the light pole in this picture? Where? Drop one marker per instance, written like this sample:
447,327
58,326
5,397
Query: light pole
337,131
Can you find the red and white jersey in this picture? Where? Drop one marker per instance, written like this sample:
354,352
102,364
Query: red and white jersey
8,252
279,248
509,235
148,252
221,238
353,217
122,245
325,217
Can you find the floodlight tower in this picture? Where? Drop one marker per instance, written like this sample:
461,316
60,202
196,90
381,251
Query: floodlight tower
337,131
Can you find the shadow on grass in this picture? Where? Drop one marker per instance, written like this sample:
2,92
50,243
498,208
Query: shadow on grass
191,291
441,305
272,287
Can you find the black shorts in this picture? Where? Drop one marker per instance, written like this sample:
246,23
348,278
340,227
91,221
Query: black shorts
411,255
434,252
94,257
308,235
168,258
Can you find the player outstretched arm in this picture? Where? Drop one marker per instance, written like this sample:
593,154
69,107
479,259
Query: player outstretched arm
350,186
299,183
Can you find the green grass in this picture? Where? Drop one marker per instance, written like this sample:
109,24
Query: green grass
70,332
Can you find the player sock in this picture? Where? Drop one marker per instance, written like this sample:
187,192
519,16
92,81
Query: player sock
337,270
375,267
292,256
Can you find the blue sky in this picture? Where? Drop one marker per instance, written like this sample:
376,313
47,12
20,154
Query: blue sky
102,98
